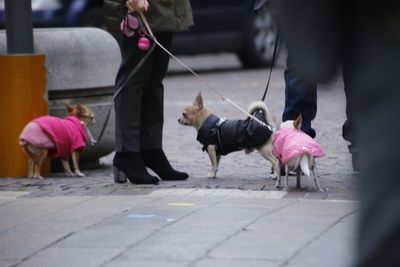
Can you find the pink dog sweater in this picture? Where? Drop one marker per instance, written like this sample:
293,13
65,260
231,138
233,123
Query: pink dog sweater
289,143
60,136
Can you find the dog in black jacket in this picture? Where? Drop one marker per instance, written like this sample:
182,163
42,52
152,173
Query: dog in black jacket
221,137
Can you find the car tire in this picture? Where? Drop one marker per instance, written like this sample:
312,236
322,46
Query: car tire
93,17
259,41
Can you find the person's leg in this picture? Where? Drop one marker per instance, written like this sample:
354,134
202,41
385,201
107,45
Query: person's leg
378,109
129,101
300,98
379,222
128,105
152,112
349,126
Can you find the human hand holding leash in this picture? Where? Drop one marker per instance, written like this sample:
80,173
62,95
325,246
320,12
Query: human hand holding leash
137,5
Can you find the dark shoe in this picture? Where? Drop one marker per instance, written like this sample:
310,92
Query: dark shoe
355,162
306,127
353,149
129,165
156,160
310,131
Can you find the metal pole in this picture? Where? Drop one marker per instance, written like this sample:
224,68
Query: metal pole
19,26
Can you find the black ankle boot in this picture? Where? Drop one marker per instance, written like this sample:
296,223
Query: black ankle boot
129,165
156,160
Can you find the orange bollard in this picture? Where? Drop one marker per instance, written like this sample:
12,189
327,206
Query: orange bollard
22,98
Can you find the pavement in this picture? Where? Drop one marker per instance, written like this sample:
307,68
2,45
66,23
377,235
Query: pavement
238,219
176,227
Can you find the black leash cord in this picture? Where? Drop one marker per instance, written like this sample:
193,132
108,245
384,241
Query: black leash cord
272,64
118,91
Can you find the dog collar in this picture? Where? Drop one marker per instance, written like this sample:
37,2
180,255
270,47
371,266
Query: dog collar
90,136
89,133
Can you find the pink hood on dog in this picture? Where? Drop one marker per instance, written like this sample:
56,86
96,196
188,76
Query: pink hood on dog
289,143
68,134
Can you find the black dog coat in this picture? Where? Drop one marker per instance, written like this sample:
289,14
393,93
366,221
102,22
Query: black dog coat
233,135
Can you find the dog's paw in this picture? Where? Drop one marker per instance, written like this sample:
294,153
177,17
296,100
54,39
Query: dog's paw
285,188
273,177
69,174
79,174
211,175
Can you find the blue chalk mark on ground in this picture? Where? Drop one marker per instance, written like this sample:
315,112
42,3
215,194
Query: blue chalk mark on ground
140,216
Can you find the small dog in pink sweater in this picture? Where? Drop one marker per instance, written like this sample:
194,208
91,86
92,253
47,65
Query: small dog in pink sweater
296,151
57,137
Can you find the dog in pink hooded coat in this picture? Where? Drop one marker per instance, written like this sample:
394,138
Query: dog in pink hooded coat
296,151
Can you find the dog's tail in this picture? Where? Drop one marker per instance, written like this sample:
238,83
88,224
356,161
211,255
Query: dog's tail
260,105
305,164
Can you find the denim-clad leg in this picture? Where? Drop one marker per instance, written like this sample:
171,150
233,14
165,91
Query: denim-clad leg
300,98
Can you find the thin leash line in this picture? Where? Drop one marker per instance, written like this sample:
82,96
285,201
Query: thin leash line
272,64
189,69
151,35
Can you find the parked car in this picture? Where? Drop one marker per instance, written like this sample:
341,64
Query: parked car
220,26
229,26
63,13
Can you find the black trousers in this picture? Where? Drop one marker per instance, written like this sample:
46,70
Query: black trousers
301,97
379,108
139,108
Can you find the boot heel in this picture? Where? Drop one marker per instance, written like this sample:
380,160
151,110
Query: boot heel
119,176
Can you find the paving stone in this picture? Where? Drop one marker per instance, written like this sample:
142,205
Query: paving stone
149,217
255,203
313,207
25,239
145,263
28,209
7,263
99,236
236,263
209,221
283,232
68,257
173,246
256,245
341,236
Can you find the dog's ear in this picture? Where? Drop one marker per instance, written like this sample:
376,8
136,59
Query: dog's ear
198,101
297,122
69,108
80,107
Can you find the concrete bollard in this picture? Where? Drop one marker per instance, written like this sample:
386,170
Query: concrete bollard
81,64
